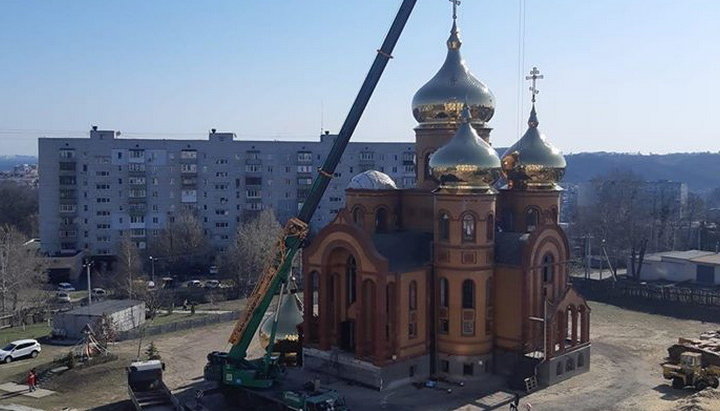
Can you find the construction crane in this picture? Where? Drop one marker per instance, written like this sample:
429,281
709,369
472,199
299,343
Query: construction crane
233,369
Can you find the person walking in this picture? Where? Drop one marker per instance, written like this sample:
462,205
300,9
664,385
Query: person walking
32,380
515,403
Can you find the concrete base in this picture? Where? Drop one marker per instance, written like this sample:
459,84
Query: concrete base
464,367
22,389
344,365
564,366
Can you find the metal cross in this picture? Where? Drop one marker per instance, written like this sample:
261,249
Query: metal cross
455,3
534,76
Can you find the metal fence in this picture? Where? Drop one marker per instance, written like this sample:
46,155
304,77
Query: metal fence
200,321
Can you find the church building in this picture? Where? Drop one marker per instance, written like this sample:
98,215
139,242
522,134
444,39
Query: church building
463,276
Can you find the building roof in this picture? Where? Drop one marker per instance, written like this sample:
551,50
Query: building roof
404,250
509,247
695,256
104,307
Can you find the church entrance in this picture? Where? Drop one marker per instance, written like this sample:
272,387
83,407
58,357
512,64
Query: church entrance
347,335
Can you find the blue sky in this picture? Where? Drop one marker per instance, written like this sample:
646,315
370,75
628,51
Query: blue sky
620,75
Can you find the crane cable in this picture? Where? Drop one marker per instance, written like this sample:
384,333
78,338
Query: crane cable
521,65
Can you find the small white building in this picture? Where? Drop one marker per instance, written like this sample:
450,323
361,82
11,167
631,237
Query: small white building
126,315
701,267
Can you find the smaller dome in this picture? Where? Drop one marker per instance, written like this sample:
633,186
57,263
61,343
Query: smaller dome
372,180
533,162
467,161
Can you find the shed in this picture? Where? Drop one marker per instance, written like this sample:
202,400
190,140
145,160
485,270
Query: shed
126,314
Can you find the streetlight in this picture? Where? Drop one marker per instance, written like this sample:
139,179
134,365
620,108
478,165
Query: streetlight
152,264
87,265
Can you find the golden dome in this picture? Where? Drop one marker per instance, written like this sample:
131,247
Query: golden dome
532,162
289,318
441,100
467,161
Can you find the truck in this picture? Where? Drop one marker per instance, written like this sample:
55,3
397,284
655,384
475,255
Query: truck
262,378
146,387
690,372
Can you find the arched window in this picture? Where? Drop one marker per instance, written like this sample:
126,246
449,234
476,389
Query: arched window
468,294
444,227
351,278
412,296
532,218
507,220
468,228
444,292
381,220
357,216
569,365
490,228
548,268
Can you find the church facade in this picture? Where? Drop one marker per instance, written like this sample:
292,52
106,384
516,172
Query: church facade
459,278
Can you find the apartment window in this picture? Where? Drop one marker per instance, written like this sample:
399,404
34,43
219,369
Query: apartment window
223,224
137,219
253,168
304,156
155,206
137,153
102,186
137,232
304,181
155,220
102,200
367,155
136,167
304,169
253,181
188,154
67,153
138,180
155,181
67,208
255,206
221,161
221,174
188,168
103,213
252,194
67,180
252,155
102,226
67,166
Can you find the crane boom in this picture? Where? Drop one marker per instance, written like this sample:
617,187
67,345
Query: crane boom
297,228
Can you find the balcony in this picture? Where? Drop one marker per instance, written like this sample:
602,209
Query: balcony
137,209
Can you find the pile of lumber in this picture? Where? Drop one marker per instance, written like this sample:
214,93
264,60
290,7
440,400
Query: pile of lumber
708,345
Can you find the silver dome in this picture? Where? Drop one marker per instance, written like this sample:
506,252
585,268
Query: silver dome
372,180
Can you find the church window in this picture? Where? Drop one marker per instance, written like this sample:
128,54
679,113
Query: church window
381,220
412,297
554,213
357,216
444,366
468,229
468,369
548,268
490,228
444,227
444,326
468,294
532,218
444,293
351,276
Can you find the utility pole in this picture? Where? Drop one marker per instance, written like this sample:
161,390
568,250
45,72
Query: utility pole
87,266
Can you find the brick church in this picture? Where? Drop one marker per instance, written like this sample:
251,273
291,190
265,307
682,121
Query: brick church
463,276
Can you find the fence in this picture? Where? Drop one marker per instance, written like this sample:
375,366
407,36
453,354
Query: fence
669,299
200,321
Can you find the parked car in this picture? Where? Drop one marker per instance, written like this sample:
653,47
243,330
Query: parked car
20,349
63,297
194,284
213,270
212,284
65,287
99,292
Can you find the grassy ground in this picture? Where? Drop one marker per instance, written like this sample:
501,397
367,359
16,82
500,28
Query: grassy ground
162,319
18,333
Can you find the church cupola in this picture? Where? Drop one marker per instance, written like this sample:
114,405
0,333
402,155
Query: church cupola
467,161
532,162
440,101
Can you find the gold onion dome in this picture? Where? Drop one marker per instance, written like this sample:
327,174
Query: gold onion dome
440,101
467,161
290,316
532,162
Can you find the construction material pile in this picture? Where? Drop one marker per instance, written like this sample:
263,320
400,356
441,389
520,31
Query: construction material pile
708,345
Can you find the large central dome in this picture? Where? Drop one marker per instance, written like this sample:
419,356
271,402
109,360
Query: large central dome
441,100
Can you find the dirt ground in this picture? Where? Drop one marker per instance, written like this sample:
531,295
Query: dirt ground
627,348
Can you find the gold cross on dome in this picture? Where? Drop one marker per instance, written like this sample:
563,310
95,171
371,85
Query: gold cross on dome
455,3
534,76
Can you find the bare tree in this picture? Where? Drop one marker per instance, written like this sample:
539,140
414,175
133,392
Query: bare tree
182,247
129,266
22,272
254,243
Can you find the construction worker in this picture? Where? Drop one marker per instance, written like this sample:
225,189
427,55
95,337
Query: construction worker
515,402
32,380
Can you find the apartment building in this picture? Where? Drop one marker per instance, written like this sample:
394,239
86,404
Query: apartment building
92,190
